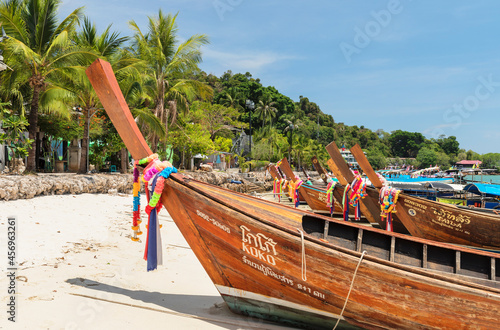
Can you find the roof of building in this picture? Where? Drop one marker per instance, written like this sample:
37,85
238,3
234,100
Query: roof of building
469,162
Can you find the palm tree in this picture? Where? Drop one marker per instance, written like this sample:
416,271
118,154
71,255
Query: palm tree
266,110
37,49
233,98
165,90
107,45
293,124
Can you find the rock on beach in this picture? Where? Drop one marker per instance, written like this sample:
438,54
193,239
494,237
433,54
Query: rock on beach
13,187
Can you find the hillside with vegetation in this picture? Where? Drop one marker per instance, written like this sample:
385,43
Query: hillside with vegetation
181,110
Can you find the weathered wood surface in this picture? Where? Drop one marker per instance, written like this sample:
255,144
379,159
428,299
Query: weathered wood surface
104,82
321,171
252,250
439,221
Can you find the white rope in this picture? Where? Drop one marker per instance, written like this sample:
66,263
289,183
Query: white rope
304,267
349,293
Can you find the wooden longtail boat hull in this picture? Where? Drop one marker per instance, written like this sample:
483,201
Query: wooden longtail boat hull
438,221
254,251
275,262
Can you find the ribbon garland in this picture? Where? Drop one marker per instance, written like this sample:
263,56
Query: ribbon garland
329,196
136,211
345,202
154,175
388,198
294,190
277,188
353,194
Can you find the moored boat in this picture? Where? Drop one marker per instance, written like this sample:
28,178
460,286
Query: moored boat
283,264
438,221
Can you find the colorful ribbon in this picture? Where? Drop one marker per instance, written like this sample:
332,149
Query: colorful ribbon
388,198
294,190
353,194
154,175
330,202
136,211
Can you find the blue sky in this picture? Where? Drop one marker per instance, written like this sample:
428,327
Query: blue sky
420,66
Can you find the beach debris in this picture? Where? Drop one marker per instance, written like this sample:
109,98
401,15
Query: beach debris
22,278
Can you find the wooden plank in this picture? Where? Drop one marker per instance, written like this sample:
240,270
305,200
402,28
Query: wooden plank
424,257
335,170
359,241
321,171
493,270
393,249
103,80
325,230
360,157
334,153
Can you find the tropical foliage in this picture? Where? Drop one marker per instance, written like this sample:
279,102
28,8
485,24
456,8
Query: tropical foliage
181,110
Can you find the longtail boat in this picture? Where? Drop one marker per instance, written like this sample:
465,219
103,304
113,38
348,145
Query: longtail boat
369,207
279,179
316,197
438,221
275,262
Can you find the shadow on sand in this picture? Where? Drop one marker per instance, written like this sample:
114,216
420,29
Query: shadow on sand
211,309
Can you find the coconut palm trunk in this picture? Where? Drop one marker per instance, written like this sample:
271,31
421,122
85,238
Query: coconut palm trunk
85,142
33,124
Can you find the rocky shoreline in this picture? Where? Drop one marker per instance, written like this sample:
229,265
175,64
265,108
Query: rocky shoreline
14,187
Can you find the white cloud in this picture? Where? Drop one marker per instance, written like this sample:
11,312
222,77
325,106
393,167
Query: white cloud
243,61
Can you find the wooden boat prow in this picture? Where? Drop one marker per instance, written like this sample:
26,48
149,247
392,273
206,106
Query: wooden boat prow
280,263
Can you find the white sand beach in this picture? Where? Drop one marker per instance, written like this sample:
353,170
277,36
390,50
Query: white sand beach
79,269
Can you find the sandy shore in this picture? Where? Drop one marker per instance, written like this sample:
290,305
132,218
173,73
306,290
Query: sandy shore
79,269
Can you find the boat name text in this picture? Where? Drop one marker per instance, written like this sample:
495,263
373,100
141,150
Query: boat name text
213,221
268,271
448,219
411,203
258,245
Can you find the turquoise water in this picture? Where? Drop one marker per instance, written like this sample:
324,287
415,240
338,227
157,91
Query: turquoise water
408,178
485,178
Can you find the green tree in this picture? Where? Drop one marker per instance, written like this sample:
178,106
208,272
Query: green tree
449,145
266,110
427,157
405,144
491,160
232,98
13,137
38,48
376,159
76,87
165,90
217,118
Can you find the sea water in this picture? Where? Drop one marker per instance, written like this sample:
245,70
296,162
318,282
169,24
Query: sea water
483,178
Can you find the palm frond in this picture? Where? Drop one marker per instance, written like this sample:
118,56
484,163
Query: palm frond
145,116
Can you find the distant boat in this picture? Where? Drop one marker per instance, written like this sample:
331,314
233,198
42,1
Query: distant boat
280,179
432,220
314,195
282,264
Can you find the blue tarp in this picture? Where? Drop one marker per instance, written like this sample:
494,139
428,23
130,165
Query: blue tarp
482,188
